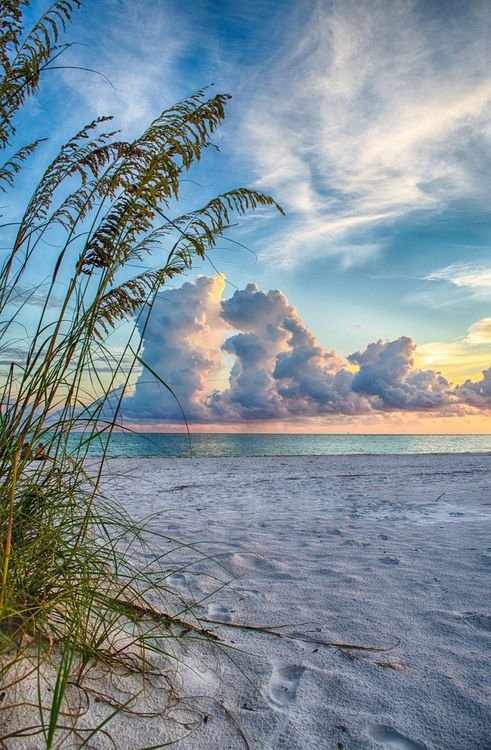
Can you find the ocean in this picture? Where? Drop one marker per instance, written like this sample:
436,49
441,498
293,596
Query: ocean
209,445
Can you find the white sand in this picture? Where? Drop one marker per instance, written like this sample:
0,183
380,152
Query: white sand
383,551
386,551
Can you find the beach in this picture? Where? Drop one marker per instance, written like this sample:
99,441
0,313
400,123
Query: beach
374,568
245,444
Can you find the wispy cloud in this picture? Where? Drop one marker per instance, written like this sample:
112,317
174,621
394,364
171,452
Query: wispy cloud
479,333
454,286
473,275
372,111
138,48
356,114
466,357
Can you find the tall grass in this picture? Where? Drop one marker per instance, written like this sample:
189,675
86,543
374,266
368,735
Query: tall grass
99,219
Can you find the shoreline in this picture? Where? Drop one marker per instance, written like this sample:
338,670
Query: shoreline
130,456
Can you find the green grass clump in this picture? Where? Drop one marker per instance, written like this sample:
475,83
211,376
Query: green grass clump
78,602
102,222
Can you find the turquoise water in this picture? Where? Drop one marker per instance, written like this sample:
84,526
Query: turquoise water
172,445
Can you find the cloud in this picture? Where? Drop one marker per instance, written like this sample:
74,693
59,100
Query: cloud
453,286
137,60
473,275
479,333
36,296
355,114
279,370
477,394
252,389
181,343
387,372
467,355
372,111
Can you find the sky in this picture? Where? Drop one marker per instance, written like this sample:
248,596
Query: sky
366,308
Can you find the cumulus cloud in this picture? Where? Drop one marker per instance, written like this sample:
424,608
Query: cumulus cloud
181,343
477,394
387,373
279,370
310,377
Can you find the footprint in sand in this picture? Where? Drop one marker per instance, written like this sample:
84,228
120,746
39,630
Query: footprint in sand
389,560
252,593
392,739
217,612
283,684
478,620
177,581
333,531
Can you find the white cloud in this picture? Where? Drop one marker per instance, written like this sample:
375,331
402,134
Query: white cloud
387,372
373,111
468,355
477,394
279,371
137,52
364,112
181,344
479,333
473,275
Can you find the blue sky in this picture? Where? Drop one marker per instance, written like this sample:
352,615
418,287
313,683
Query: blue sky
368,121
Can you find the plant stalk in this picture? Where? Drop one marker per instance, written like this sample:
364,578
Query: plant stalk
8,540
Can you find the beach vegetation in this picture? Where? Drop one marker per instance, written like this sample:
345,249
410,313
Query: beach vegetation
80,586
